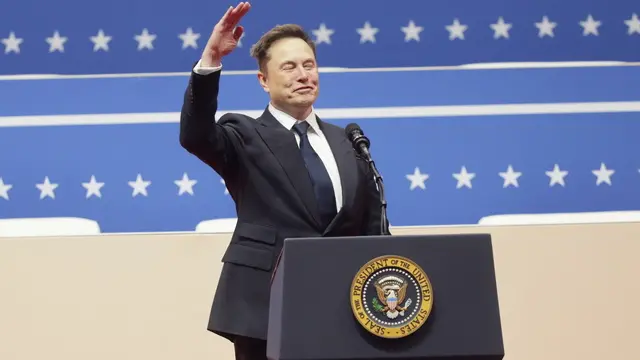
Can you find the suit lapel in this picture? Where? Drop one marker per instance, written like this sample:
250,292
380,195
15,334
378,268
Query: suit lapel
282,144
345,158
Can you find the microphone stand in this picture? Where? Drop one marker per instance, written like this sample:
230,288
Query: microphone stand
384,224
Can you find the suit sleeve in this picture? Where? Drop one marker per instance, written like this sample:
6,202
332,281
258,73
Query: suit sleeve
374,206
212,142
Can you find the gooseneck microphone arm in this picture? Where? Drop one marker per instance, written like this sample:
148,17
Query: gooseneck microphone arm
384,224
361,145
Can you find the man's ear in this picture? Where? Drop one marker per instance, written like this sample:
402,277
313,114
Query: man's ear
262,78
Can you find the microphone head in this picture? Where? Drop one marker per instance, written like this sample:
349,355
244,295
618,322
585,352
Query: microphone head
353,130
356,136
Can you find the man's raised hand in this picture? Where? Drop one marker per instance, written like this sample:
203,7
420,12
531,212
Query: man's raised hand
225,35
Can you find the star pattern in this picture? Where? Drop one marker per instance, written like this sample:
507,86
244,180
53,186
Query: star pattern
12,43
139,186
456,30
546,27
145,40
47,189
464,178
4,189
367,33
556,176
510,177
189,39
93,187
603,175
501,29
590,26
56,42
417,180
100,41
633,25
411,31
323,34
185,184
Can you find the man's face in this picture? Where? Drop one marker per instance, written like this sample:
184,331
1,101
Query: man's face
291,77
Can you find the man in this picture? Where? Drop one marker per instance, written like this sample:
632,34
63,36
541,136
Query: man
289,173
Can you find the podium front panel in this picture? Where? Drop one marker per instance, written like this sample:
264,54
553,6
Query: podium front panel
456,318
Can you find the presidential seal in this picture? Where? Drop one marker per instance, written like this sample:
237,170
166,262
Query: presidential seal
391,296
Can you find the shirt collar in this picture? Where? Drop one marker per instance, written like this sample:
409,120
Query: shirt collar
288,121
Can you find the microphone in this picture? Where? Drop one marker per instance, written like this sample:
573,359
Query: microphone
361,144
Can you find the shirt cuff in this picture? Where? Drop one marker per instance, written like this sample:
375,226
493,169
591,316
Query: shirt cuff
205,70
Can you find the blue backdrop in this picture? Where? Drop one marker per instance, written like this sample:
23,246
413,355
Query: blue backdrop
423,125
123,36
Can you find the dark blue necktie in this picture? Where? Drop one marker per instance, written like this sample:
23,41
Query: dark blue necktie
320,179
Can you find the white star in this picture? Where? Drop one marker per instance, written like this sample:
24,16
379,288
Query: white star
12,43
323,34
226,191
185,184
4,189
603,174
545,27
417,179
139,186
56,42
47,189
501,29
367,33
590,26
556,176
189,39
633,24
100,41
464,178
145,40
412,32
510,177
456,30
93,187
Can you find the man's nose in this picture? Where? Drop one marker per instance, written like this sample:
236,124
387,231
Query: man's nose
302,74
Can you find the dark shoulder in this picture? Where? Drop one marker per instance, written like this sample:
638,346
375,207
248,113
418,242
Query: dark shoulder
240,122
334,130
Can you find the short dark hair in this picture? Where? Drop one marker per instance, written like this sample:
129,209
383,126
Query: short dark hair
260,50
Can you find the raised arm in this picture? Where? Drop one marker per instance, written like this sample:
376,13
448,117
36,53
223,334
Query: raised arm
199,133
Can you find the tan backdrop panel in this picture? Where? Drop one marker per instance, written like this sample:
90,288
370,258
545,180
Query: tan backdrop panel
566,292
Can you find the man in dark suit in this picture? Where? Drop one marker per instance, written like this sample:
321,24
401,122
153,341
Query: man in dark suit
290,173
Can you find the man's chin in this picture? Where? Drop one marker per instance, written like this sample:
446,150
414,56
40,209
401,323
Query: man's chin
303,100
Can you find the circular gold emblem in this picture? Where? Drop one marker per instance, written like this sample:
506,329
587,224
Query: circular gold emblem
391,296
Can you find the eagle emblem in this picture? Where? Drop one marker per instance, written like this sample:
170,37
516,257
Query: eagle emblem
391,291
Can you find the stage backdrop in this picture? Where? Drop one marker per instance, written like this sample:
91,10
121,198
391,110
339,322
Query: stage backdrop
452,145
125,36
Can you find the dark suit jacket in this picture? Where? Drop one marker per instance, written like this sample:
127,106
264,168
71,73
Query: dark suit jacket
266,176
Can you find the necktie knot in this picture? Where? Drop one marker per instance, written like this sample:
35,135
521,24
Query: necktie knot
301,127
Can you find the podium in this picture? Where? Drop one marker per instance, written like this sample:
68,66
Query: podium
385,297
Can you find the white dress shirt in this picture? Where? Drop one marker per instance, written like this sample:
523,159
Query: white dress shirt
317,139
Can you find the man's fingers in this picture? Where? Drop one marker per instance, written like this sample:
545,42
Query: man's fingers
224,17
232,16
237,13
